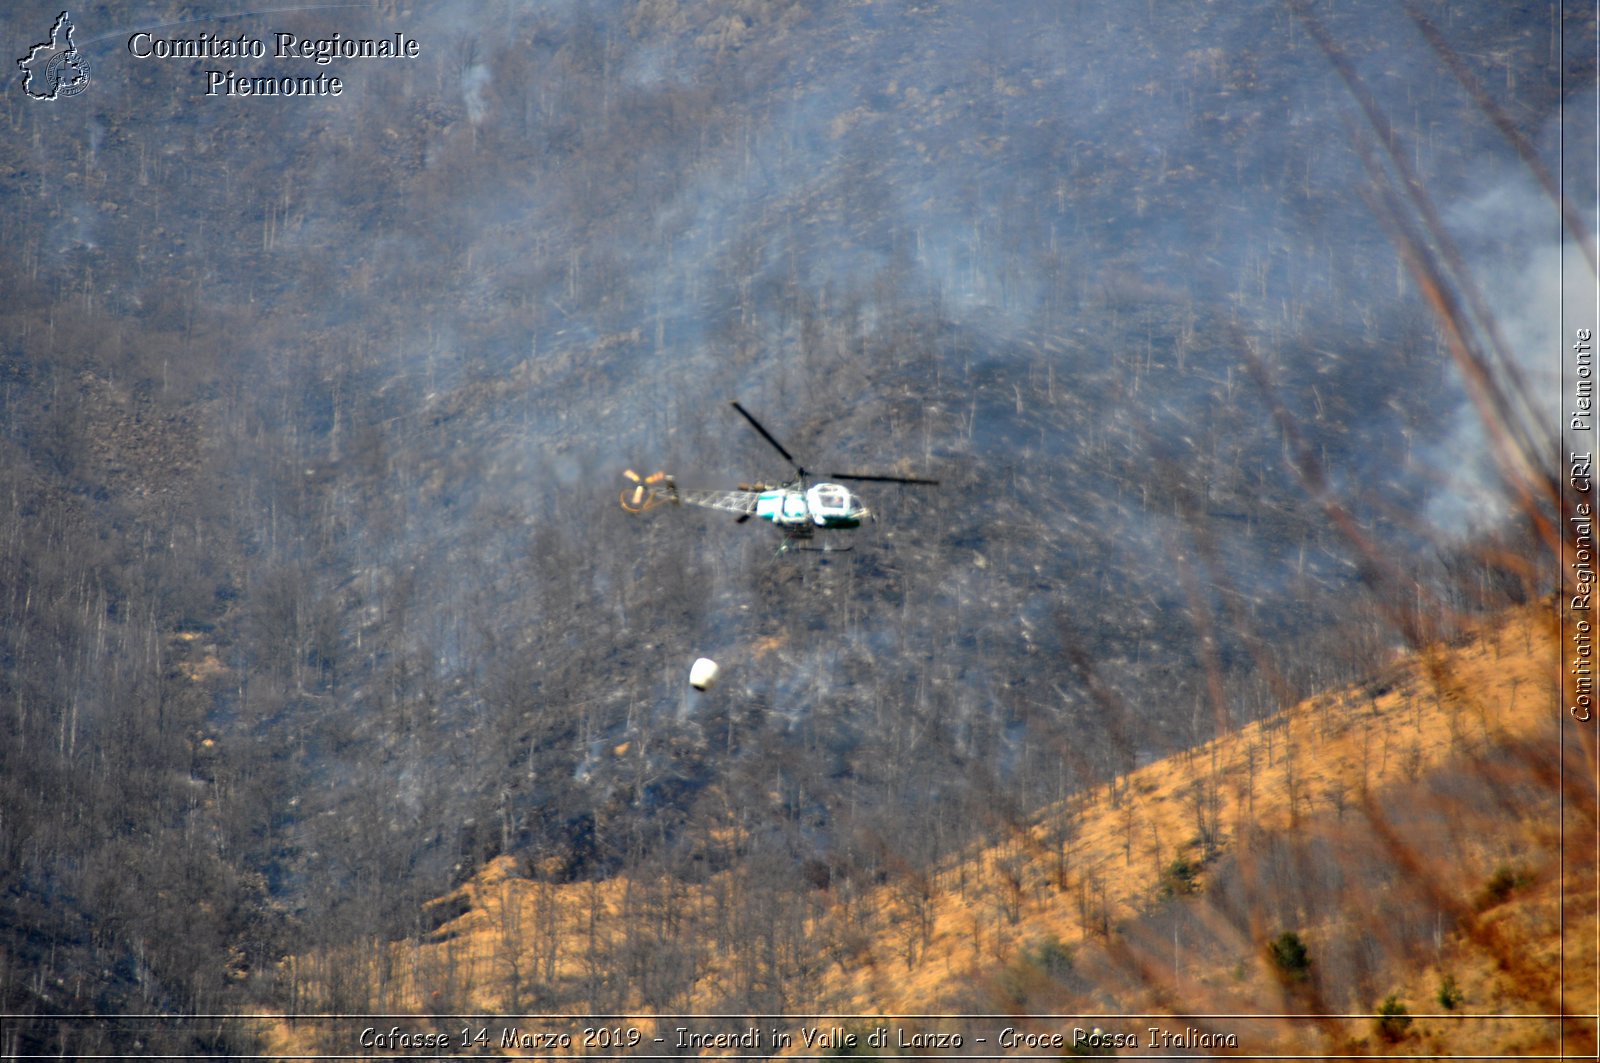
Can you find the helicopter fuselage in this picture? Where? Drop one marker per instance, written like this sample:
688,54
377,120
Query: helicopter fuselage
822,505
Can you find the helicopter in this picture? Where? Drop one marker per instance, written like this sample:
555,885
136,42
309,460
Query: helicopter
798,507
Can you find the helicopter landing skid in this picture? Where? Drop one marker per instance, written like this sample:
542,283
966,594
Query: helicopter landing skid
793,544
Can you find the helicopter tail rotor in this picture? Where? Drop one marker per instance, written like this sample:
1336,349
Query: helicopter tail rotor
642,495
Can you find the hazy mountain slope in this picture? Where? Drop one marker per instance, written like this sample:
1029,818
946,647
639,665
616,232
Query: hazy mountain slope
314,596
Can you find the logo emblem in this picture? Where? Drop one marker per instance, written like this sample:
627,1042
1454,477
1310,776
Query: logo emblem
55,68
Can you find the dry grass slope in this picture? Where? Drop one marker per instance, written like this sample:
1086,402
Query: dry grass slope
1409,830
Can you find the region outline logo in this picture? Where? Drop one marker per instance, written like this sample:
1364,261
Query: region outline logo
55,68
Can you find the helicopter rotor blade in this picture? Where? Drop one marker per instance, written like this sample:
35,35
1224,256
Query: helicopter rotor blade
868,478
747,415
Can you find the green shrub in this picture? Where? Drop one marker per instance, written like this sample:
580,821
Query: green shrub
1393,1019
1450,993
1505,881
1180,878
1049,955
1037,967
1289,957
1095,1047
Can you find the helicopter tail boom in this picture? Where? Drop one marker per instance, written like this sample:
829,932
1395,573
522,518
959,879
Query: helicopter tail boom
647,492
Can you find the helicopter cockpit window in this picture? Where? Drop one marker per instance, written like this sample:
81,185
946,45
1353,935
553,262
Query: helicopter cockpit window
830,499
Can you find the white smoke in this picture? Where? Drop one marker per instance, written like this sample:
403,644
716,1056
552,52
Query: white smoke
474,79
1527,270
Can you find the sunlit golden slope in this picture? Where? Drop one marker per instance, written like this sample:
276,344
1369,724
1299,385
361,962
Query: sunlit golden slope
1321,756
1440,774
1437,785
